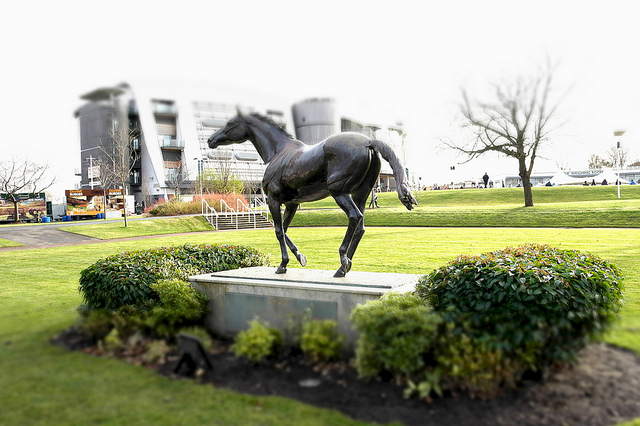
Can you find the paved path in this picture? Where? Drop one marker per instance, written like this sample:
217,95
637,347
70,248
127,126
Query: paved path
42,235
50,235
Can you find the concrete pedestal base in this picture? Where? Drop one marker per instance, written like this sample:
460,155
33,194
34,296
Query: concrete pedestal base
238,296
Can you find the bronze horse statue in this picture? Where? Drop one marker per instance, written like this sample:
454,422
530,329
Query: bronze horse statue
345,166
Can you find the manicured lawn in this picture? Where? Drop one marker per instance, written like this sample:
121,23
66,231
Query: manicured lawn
587,214
502,196
136,228
43,384
7,243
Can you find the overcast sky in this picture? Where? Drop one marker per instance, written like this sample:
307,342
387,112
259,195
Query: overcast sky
401,60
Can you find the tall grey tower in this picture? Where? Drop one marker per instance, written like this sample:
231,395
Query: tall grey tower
315,120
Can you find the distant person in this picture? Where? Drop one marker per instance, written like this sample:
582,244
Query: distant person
485,179
593,182
585,183
373,204
548,184
633,182
604,182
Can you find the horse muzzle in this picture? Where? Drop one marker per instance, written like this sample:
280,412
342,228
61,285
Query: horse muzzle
216,139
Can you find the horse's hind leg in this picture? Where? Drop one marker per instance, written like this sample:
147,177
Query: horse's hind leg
359,230
355,216
290,211
360,196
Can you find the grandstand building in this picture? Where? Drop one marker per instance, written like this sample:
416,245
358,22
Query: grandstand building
172,123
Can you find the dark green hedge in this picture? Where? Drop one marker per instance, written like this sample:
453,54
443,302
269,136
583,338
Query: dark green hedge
536,296
481,322
126,278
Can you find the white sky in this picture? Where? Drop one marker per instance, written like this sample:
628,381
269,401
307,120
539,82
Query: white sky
402,60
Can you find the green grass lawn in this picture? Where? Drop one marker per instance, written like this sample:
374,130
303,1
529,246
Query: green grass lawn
587,214
7,243
38,290
44,384
573,207
136,228
502,196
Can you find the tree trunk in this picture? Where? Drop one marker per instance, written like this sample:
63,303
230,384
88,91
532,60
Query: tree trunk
526,182
16,212
528,195
124,203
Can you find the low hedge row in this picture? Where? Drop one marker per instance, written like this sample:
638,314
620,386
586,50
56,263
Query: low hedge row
127,278
178,306
548,299
482,322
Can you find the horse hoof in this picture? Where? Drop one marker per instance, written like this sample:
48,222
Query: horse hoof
346,265
339,273
281,270
302,259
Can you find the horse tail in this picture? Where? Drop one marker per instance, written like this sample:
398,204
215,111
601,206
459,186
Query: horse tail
404,192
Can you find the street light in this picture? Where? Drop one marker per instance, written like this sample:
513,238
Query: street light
618,133
200,169
91,173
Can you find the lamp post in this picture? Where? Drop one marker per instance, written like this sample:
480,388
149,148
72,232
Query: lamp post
618,133
199,177
90,171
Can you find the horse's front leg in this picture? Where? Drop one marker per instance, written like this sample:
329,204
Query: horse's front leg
355,216
290,211
276,213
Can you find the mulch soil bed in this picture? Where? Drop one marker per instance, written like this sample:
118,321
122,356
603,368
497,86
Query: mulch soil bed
603,388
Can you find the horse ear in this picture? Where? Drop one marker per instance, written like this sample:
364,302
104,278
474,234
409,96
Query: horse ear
239,111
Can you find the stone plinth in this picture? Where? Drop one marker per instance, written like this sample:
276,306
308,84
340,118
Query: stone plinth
238,296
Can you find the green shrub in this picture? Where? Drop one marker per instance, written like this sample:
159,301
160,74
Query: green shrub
155,352
95,324
397,333
476,365
320,340
535,302
179,305
126,278
177,207
112,341
481,322
258,342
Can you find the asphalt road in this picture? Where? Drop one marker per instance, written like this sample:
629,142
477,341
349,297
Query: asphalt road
41,235
50,235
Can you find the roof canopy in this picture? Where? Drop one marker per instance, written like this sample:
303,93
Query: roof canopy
610,176
561,178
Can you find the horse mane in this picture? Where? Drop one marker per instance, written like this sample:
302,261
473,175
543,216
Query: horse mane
270,121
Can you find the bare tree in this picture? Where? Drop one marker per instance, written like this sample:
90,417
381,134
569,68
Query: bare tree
179,178
516,124
596,162
21,179
618,157
213,181
217,176
118,161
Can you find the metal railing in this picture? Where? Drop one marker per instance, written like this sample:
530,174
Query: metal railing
232,217
171,143
252,213
229,212
209,213
261,207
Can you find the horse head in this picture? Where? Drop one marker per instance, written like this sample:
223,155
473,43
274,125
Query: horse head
235,131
